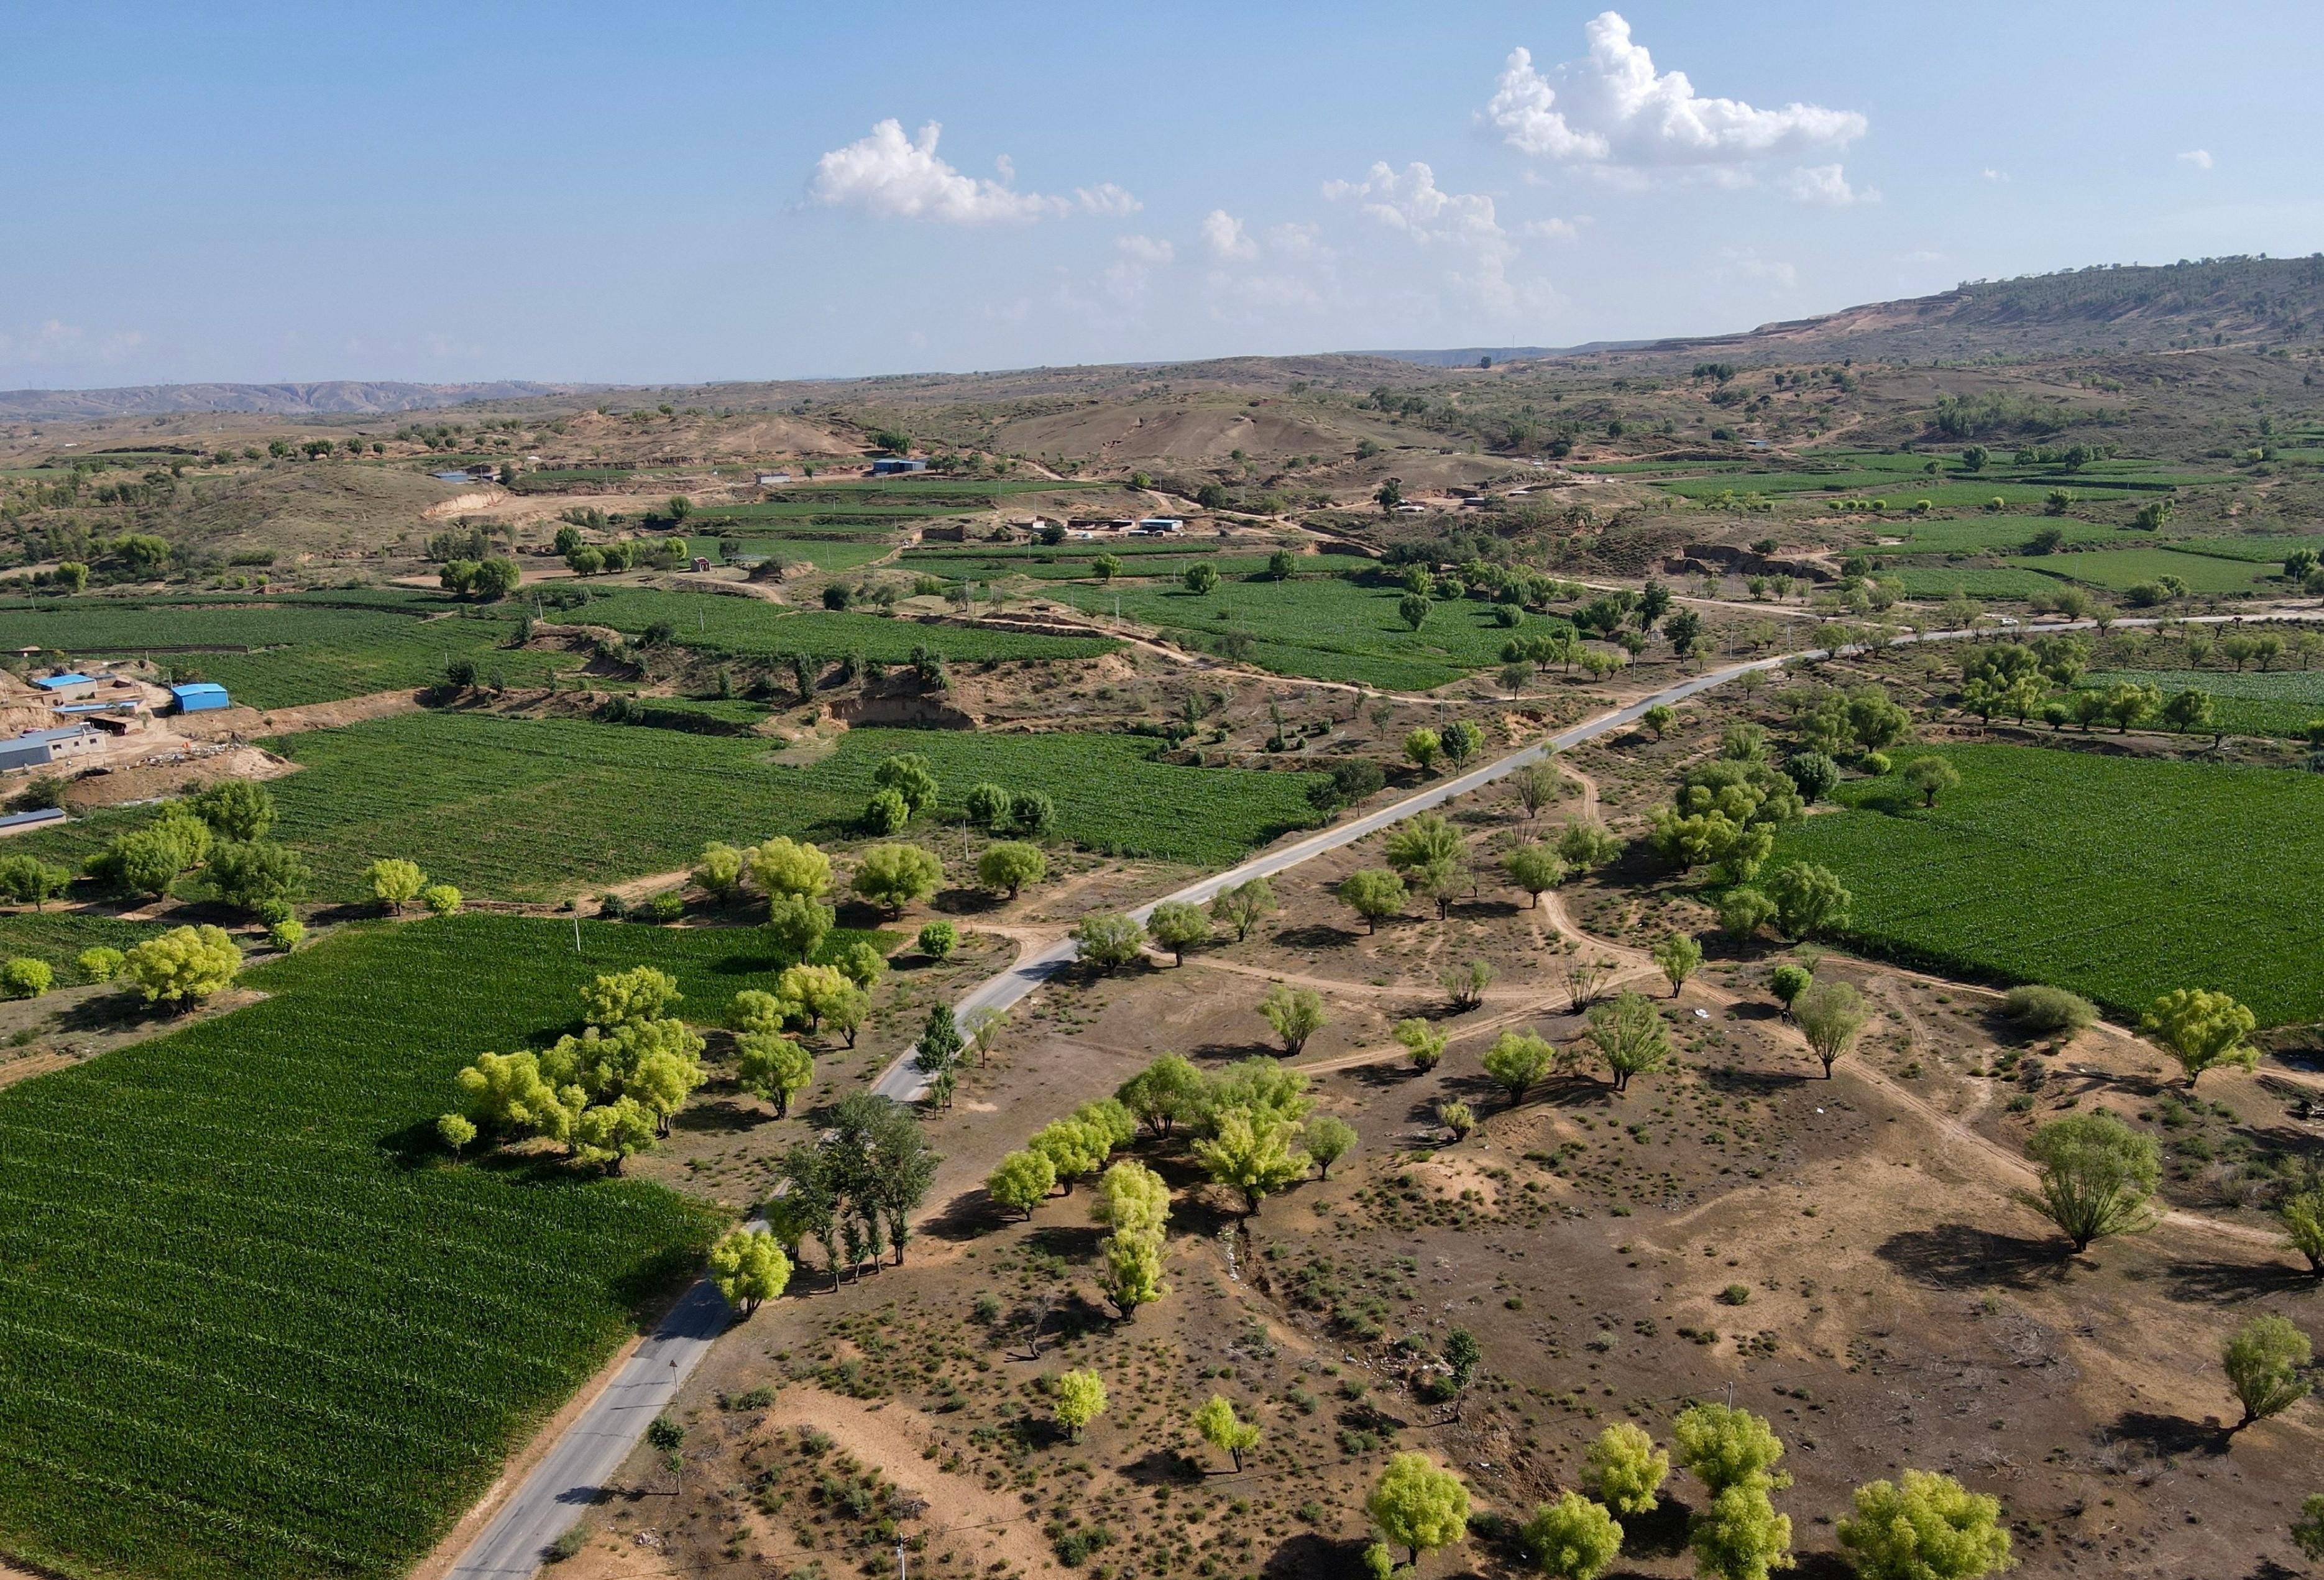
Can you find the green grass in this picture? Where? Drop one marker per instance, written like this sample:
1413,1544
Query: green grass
253,1328
307,652
1072,565
518,809
753,628
2263,548
2120,878
827,554
2252,702
2120,569
1326,628
1982,534
1950,492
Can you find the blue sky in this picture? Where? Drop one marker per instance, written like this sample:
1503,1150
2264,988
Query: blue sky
614,192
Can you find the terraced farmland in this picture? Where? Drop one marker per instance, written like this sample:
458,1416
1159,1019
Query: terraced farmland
1984,534
2120,569
2120,878
2252,702
245,1336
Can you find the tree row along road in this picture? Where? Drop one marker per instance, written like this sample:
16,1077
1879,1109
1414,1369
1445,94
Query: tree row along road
566,1479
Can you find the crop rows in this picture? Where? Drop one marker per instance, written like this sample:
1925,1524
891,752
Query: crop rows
1984,534
245,1336
2118,569
1070,565
2250,702
2119,878
751,627
307,652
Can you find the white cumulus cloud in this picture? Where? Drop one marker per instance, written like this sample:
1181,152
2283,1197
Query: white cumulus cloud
1826,186
2197,159
1224,235
1614,112
1144,249
896,177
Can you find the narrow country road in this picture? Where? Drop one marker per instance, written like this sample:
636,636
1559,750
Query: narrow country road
566,1479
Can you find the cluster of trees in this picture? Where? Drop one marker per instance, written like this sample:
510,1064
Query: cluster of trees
1249,1127
181,967
795,875
1108,942
621,553
853,1190
604,1094
396,883
487,581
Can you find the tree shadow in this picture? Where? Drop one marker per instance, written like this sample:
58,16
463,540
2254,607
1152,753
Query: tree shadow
2169,1436
966,1216
1316,936
2224,1282
1073,1242
720,1116
1660,1533
1961,1256
1163,1467
1312,1555
1732,1082
966,901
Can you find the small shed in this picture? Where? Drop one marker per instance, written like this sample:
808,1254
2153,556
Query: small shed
461,476
17,822
199,696
891,466
773,479
72,688
701,562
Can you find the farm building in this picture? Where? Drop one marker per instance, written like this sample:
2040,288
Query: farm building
449,476
1157,525
773,479
892,466
199,696
72,688
37,817
39,748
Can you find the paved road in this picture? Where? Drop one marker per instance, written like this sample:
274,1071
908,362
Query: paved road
566,1482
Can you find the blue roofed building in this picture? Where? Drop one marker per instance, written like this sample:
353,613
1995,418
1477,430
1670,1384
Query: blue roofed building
199,696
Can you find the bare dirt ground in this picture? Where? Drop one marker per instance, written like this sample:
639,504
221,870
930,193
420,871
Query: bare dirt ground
1848,1257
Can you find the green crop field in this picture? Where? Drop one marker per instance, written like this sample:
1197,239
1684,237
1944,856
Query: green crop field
2120,878
2118,569
1977,581
2262,548
1079,565
2252,702
518,808
828,554
1324,628
1983,534
252,1327
753,628
57,938
307,652
1950,492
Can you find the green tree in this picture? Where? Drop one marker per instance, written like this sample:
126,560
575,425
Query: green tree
749,1267
2096,1177
395,882
1373,893
1165,1095
610,1133
1535,869
1727,1446
2202,1030
1925,1527
2302,1215
1930,777
1413,609
1022,1182
1588,845
29,880
1813,773
99,963
1177,925
799,923
1743,910
1009,865
456,1130
183,966
1625,1469
1629,1036
1133,1266
1202,578
2308,1530
1417,1506
1809,899
23,978
1518,1060
1829,1015
1424,747
1678,955
1253,1151
1572,1538
253,874
790,866
238,808
2188,712
1109,943
1079,1396
1327,1139
1740,1537
1425,1045
772,1069
1244,905
1787,981
2264,1362
908,773
1460,740
1295,1015
1220,1428
618,998
887,812
1659,718
718,870
440,900
895,875
938,939
986,805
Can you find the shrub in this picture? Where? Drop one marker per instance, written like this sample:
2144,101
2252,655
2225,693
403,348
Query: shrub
441,899
2045,1010
24,978
938,939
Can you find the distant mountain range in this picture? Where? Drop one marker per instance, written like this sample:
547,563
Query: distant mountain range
1470,356
331,397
